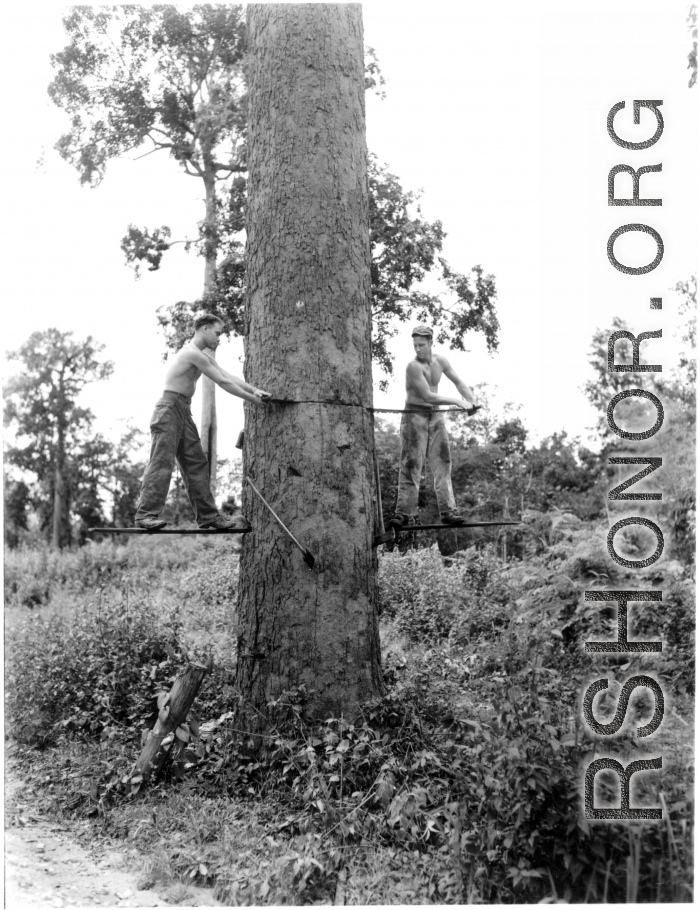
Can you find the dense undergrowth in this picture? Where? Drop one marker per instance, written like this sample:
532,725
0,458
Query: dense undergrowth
462,784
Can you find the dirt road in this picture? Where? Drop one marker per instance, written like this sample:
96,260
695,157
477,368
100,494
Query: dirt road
49,866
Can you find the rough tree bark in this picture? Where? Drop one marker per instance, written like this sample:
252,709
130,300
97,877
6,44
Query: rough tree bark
308,319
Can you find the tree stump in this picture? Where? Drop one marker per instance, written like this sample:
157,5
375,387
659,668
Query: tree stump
172,714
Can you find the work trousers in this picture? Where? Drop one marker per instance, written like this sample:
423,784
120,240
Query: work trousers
174,436
423,432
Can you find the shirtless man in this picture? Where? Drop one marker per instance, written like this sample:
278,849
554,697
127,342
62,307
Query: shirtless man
174,435
424,430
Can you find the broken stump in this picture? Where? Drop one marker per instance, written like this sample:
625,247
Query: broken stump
172,714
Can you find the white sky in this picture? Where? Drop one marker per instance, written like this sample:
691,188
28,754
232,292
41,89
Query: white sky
496,110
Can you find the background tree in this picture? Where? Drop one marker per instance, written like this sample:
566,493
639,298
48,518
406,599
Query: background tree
51,428
631,414
170,79
693,55
497,472
308,318
682,379
122,479
677,446
107,475
407,260
675,386
15,501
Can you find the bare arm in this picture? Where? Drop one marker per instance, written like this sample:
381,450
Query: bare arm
246,386
418,385
228,383
461,387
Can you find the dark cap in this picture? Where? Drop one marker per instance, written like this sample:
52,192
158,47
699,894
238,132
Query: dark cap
422,330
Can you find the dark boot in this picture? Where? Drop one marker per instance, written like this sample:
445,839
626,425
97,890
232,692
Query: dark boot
219,523
453,517
401,522
150,524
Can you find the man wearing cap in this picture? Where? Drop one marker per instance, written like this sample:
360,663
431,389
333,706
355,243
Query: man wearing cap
174,435
423,430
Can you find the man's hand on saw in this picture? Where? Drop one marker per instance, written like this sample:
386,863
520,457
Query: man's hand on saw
469,407
263,396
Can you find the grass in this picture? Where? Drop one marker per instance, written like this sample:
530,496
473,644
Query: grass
224,844
453,659
194,580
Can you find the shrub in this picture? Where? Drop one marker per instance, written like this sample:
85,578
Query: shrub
433,598
31,575
495,805
212,581
467,772
35,575
92,674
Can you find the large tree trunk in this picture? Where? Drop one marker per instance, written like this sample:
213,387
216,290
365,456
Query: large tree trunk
308,321
208,430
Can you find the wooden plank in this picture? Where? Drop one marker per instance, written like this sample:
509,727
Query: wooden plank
169,531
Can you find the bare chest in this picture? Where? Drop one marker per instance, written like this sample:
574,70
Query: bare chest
182,375
433,374
182,366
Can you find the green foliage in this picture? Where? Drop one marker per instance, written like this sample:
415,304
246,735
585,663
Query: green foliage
93,674
54,437
75,470
37,576
188,103
211,583
674,443
495,474
494,803
173,79
16,501
432,601
631,414
144,246
93,670
405,250
686,373
693,54
462,782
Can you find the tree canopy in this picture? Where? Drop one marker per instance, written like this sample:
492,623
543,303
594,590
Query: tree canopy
693,54
73,468
158,75
169,79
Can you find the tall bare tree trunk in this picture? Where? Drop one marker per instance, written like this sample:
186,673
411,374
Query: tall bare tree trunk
59,524
59,495
308,319
208,430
